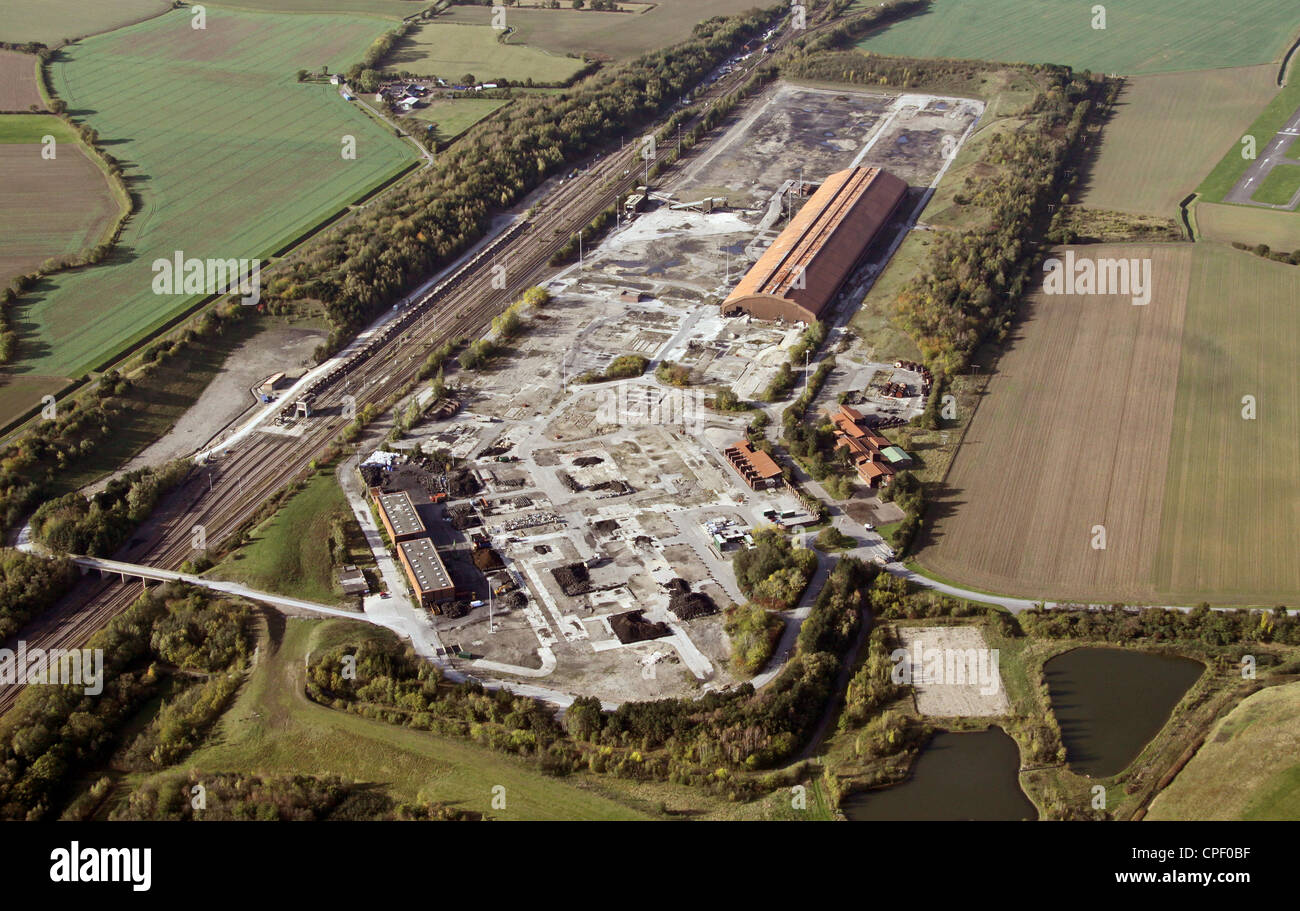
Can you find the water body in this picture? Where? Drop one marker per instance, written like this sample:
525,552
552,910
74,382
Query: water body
958,776
1110,703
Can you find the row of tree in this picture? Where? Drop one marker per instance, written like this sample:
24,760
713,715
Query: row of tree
97,525
240,796
707,741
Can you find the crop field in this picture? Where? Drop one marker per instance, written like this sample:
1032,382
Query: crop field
1248,225
1141,36
1231,519
1131,417
49,207
454,51
1072,433
231,156
53,21
1197,114
1279,186
454,116
1247,767
18,91
604,34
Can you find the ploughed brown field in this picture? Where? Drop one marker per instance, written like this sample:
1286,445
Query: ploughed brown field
18,90
49,207
1073,433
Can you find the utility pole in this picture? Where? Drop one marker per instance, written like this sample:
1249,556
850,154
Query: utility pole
805,374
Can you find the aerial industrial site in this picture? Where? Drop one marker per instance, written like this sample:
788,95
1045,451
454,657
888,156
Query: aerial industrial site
432,411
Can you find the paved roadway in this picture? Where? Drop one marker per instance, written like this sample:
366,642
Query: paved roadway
1269,157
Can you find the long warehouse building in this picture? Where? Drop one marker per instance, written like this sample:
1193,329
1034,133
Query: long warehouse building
799,275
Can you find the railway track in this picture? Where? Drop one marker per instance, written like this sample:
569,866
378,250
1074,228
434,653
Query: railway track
225,494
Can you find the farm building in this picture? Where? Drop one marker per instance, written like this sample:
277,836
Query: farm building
875,458
427,573
805,267
754,466
397,512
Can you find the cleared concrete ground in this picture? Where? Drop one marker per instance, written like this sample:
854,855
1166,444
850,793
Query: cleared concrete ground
954,674
627,474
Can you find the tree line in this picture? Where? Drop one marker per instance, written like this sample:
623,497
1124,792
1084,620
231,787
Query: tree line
99,524
711,742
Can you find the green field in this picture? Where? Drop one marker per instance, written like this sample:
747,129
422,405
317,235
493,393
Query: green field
52,21
1248,225
397,9
1197,114
455,51
1232,166
604,34
272,728
31,128
1247,768
1279,185
289,554
1229,520
229,154
1141,36
454,116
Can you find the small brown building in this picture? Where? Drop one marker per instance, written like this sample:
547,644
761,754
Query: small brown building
866,448
755,467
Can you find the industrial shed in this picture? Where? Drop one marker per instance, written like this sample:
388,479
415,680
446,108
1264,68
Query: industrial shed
397,512
427,573
805,267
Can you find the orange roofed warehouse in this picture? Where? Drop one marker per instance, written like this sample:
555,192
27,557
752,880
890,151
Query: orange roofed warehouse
800,274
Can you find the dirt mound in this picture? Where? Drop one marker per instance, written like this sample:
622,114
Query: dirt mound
634,627
686,604
453,610
462,484
573,578
485,558
587,461
567,480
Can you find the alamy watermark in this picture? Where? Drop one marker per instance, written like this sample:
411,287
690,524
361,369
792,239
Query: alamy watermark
25,666
1089,275
947,667
191,276
639,406
75,864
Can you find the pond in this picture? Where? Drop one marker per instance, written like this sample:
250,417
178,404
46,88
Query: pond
1110,702
958,776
